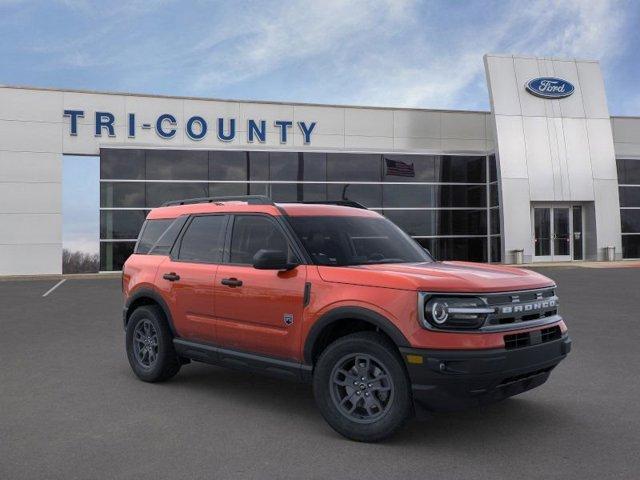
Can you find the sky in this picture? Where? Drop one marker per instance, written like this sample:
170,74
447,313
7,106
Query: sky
362,52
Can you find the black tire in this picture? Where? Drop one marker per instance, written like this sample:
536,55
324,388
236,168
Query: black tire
337,393
165,362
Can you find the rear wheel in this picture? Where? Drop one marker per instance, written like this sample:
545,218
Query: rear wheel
150,345
361,387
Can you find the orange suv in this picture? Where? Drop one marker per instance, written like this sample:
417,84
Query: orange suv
339,296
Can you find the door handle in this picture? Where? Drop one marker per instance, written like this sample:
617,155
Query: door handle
231,282
172,277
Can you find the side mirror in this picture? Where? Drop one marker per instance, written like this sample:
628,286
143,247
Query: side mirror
272,260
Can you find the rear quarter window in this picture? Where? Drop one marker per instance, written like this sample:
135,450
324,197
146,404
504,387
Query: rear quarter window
151,231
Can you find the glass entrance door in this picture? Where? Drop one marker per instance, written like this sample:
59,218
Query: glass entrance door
557,233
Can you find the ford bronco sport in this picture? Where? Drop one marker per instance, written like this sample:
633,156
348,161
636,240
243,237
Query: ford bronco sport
339,296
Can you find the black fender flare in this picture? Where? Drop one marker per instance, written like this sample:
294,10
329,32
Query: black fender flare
355,313
152,295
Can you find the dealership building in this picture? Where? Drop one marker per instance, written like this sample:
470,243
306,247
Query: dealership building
546,175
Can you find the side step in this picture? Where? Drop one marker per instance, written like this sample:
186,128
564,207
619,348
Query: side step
223,357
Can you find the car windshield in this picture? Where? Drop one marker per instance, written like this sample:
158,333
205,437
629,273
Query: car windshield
340,241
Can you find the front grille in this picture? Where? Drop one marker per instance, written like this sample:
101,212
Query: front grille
517,307
520,340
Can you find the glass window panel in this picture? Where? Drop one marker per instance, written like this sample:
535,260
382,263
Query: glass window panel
494,198
628,171
493,169
409,168
496,249
466,249
458,195
159,193
495,220
315,166
368,195
203,241
177,165
125,164
353,167
230,189
252,233
116,194
413,222
440,222
152,231
629,196
114,254
228,165
286,192
630,221
116,224
258,166
285,166
631,246
542,231
259,189
461,169
406,196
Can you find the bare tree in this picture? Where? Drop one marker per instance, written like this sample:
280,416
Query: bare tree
80,262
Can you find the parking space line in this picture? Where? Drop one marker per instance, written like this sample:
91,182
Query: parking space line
54,287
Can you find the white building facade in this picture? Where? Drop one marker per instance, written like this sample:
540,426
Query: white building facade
547,172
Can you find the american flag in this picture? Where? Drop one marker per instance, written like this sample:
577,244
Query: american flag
397,168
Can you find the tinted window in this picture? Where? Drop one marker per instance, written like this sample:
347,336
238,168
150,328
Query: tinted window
468,249
493,169
167,239
151,232
131,195
354,167
630,221
342,241
177,165
460,169
121,223
228,165
203,240
123,163
409,168
631,246
315,166
285,166
228,189
114,254
629,196
252,233
368,195
258,166
440,222
496,252
159,193
628,171
495,220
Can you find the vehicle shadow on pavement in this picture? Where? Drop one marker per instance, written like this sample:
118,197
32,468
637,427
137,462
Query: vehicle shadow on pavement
245,393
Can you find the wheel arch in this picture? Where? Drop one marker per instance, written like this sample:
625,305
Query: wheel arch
323,328
146,296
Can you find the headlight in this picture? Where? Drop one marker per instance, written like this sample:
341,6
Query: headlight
453,312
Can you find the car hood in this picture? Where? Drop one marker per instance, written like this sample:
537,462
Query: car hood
464,277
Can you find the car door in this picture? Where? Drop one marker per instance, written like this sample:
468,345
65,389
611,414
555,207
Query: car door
186,279
259,311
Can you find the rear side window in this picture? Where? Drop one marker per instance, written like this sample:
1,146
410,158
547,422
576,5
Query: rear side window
168,238
150,233
203,240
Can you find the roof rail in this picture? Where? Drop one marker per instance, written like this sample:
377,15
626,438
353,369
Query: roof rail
250,199
342,203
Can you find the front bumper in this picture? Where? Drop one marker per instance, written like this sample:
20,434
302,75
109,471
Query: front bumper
448,380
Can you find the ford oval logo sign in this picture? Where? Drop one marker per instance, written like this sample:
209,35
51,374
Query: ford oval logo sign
549,87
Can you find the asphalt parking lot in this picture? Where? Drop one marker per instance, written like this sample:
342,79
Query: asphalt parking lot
71,408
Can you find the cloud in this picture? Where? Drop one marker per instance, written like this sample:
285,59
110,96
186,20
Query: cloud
392,53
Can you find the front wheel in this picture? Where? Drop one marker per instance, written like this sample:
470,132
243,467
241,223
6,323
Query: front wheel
361,387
